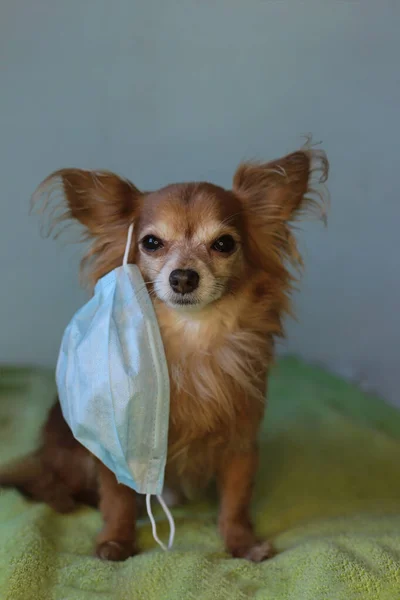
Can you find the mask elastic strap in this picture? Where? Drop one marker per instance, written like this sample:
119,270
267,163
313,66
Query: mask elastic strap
148,496
153,523
128,245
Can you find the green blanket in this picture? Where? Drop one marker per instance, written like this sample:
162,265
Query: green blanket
328,495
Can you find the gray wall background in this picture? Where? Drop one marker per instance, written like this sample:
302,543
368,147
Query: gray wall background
172,90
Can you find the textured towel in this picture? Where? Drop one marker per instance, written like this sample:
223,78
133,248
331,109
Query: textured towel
328,495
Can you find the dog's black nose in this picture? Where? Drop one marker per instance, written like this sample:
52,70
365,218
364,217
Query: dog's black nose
184,281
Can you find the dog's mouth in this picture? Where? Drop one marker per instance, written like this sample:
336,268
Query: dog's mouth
196,299
184,300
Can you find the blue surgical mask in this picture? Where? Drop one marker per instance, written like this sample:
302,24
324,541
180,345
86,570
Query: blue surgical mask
113,382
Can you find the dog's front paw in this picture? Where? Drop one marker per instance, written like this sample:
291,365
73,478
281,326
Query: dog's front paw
258,552
241,542
116,550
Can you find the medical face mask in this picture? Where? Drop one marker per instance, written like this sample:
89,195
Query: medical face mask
113,382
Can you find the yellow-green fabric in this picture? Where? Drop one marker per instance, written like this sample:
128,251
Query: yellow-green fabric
328,495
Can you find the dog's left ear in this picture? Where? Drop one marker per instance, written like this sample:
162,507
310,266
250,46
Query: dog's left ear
277,189
275,193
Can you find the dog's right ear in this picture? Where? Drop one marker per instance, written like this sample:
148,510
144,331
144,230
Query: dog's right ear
97,199
104,203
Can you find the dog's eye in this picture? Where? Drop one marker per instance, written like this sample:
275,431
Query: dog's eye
224,244
151,243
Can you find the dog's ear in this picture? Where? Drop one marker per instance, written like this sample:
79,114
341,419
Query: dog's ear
104,203
275,193
97,199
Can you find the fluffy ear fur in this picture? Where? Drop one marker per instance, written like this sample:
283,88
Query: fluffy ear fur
274,194
104,203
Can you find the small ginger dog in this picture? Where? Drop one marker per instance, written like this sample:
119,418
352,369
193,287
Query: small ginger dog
215,262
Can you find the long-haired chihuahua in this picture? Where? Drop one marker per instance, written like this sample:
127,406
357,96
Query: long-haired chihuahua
217,266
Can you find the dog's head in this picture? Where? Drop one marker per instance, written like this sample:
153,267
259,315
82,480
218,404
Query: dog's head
193,242
190,243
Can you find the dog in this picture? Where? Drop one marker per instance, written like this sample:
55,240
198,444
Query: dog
216,263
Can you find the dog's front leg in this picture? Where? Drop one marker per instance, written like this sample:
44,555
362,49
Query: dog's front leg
235,479
117,540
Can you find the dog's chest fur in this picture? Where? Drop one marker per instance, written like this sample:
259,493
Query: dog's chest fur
217,370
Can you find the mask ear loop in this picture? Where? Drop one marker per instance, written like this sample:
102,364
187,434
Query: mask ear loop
153,522
128,245
148,496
